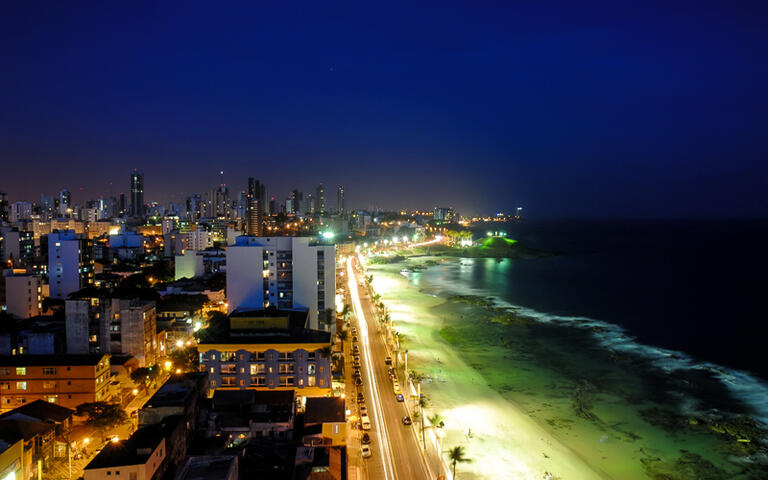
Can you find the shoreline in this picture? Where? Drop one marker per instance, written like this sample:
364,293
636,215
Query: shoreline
525,387
503,435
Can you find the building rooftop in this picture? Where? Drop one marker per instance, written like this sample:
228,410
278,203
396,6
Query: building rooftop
41,410
324,409
295,333
170,394
226,398
208,468
50,360
12,430
137,449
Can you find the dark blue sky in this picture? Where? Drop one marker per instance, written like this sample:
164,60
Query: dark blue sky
570,109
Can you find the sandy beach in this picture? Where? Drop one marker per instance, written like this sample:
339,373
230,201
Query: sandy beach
539,397
505,442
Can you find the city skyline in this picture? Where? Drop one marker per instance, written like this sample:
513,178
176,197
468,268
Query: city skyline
599,111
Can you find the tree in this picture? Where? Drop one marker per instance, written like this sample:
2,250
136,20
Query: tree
346,311
342,334
218,326
102,415
145,375
456,455
187,359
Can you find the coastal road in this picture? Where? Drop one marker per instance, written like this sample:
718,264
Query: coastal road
396,445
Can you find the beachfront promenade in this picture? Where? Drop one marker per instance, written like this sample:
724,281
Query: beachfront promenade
396,451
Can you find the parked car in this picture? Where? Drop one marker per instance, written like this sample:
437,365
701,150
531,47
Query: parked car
359,382
363,410
388,360
365,451
354,339
400,397
360,398
366,439
406,420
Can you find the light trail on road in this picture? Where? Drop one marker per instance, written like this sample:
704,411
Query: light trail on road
384,451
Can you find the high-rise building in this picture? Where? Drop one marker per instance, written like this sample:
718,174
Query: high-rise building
70,263
23,294
112,325
320,199
121,205
194,208
65,203
255,199
137,194
3,207
285,272
340,199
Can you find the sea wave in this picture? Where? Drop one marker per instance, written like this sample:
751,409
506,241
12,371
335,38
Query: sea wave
748,388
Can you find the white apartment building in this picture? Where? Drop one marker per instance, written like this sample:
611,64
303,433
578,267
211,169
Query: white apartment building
70,263
284,272
199,239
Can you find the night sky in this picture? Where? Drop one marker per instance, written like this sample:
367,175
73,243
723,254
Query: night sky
582,110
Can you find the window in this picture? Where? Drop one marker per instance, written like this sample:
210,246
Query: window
258,381
49,384
21,385
52,399
21,370
286,368
310,369
228,381
257,369
286,381
310,381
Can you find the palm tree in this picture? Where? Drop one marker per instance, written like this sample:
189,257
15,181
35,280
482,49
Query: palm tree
456,455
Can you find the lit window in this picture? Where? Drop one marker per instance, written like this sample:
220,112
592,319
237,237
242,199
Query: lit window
21,385
21,370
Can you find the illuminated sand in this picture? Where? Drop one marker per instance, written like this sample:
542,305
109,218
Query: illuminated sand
514,387
505,442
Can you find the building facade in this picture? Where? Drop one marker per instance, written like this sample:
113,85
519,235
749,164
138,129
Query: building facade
70,263
23,294
286,273
66,380
112,325
269,350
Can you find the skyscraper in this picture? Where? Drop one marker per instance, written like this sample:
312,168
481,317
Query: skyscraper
340,199
320,200
137,194
70,263
65,202
254,215
3,207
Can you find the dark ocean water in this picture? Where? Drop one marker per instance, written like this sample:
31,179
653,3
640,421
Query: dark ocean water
699,287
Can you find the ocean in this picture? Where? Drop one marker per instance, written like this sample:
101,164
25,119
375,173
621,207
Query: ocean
698,287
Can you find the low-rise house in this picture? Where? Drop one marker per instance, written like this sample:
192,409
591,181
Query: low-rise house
38,438
140,457
11,458
56,415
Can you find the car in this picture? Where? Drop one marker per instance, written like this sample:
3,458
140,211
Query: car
400,397
406,420
366,439
360,398
354,331
359,382
356,364
388,360
356,374
354,339
365,451
363,410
